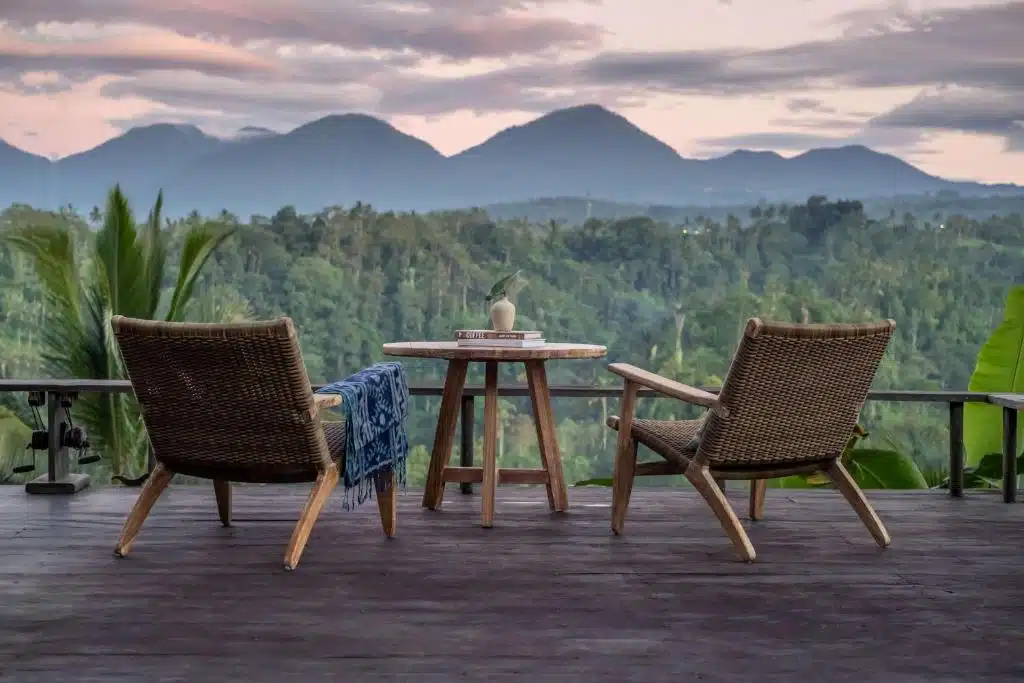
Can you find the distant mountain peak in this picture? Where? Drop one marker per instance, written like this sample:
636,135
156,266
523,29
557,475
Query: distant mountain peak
584,110
845,150
587,115
346,122
587,126
742,154
165,129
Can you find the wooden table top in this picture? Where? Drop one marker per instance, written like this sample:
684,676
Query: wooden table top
452,351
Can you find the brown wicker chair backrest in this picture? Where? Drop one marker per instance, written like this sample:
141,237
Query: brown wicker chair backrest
225,401
794,392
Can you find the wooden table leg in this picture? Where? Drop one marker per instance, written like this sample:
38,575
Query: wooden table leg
451,399
489,486
544,420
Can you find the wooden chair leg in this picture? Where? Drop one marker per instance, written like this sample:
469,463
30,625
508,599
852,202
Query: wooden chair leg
155,485
705,484
325,483
855,497
386,500
222,489
758,489
623,477
625,459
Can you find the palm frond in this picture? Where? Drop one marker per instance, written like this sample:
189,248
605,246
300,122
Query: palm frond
124,265
52,252
154,249
200,243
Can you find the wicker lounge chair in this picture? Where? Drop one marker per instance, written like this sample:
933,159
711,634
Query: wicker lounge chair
233,402
788,406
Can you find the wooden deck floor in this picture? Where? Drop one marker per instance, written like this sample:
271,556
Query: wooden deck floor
536,598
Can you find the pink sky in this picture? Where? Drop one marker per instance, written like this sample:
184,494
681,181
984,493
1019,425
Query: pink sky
935,82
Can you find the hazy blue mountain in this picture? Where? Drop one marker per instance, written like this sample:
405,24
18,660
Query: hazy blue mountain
24,178
141,160
584,151
851,171
334,160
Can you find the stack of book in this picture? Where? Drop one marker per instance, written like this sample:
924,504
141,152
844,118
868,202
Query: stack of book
515,339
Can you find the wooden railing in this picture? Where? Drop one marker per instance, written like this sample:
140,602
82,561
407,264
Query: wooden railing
60,393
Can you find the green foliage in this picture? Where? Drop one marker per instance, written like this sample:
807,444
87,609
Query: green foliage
875,468
14,434
119,270
667,295
988,474
999,368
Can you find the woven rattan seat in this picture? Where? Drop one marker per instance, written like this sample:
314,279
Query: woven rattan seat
672,439
233,403
788,405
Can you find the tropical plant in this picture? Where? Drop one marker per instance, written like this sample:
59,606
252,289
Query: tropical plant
13,436
876,468
121,273
999,368
988,474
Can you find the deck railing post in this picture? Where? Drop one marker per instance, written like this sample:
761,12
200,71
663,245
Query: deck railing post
1009,455
956,449
467,419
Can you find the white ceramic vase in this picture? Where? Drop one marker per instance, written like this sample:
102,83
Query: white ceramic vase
503,315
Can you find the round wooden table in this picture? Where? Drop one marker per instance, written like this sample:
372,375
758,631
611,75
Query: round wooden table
459,358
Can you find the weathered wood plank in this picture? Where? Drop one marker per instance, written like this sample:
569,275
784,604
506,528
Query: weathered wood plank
539,597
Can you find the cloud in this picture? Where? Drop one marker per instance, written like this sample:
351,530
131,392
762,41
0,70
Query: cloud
979,46
798,105
127,50
282,64
827,123
961,109
455,29
184,90
889,139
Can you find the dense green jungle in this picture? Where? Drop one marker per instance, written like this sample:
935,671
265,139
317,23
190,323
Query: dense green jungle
668,294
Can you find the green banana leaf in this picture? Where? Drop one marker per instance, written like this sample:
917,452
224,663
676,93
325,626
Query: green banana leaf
987,475
14,434
998,369
874,468
991,466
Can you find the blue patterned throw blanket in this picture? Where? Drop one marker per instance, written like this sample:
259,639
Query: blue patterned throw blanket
375,404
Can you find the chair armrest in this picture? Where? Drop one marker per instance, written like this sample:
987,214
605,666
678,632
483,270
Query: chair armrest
326,400
670,388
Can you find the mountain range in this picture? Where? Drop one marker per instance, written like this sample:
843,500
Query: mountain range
585,151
